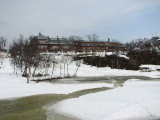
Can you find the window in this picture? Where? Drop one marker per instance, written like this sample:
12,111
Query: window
42,47
54,47
66,47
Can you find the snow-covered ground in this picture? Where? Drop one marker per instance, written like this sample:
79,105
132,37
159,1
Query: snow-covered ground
12,85
16,86
136,100
87,70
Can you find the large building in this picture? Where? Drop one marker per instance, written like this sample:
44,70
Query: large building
48,44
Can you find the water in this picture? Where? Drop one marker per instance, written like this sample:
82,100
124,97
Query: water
36,107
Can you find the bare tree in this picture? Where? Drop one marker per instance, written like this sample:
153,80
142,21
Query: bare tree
53,62
92,37
59,60
75,38
3,41
78,64
64,60
143,44
47,64
25,55
69,61
16,51
36,64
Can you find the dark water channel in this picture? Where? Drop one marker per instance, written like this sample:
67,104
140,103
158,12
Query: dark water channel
35,107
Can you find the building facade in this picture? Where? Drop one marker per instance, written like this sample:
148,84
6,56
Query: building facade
47,44
115,46
89,46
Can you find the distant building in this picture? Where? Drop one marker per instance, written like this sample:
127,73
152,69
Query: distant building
43,40
48,44
115,46
89,46
54,44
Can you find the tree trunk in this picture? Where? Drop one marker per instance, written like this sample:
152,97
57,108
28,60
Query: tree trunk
117,62
28,77
76,71
60,69
64,70
52,71
34,72
67,70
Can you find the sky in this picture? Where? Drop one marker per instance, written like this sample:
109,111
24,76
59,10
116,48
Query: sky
122,20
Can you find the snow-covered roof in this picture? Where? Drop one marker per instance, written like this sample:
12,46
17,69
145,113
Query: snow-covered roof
42,37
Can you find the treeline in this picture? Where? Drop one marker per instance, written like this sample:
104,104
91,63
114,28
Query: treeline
136,58
144,57
144,44
3,42
112,61
25,55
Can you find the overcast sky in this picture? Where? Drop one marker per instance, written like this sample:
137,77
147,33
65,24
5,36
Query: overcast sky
123,20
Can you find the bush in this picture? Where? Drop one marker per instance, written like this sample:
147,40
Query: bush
145,57
112,61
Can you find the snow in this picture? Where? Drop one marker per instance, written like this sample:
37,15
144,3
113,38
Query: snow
136,100
16,86
151,67
12,85
124,56
87,70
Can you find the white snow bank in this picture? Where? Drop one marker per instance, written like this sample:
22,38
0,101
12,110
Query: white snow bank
87,70
136,100
16,86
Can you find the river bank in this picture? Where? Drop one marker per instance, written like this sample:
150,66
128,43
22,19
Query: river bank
127,94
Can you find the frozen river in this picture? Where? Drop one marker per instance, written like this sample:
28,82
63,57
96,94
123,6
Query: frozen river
132,97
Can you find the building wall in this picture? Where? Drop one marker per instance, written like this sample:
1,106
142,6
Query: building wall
43,48
115,46
60,47
80,46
